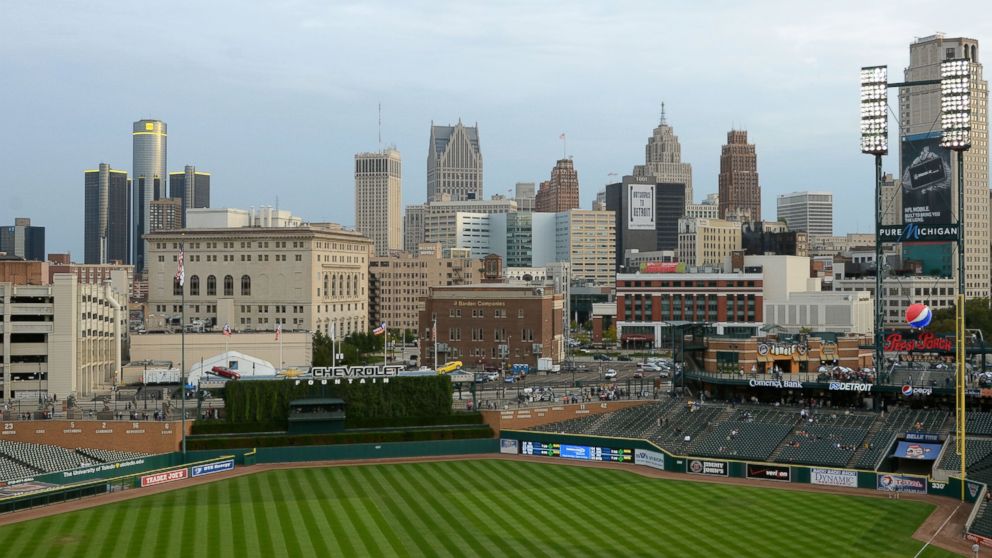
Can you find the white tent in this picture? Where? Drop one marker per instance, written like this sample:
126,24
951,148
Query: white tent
247,366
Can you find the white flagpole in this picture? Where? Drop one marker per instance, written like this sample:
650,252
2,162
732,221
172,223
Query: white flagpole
434,335
334,350
281,365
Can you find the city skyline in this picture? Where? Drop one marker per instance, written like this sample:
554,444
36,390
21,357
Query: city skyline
786,77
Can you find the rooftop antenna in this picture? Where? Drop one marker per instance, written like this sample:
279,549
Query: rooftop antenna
564,145
663,113
380,124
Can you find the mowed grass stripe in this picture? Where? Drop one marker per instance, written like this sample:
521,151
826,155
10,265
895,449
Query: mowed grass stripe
400,540
215,531
353,521
516,508
280,516
330,509
302,515
469,505
429,517
122,527
258,514
406,519
363,499
64,536
239,526
325,542
416,479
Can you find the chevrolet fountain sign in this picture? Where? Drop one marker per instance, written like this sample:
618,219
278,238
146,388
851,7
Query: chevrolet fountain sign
355,372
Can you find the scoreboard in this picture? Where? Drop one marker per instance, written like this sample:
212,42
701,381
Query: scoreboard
569,451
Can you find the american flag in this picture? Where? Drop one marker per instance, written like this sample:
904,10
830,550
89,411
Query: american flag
278,331
379,330
434,331
227,330
181,270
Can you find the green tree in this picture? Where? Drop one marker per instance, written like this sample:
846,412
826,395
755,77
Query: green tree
977,315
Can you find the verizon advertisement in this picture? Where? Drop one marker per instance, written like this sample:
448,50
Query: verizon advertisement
769,472
640,207
163,478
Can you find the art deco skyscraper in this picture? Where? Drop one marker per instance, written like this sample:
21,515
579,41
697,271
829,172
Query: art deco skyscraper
191,187
561,193
454,163
919,114
149,175
740,193
378,208
106,216
663,159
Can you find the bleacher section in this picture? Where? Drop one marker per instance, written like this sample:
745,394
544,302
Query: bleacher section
978,422
685,422
816,444
975,451
740,440
896,423
19,459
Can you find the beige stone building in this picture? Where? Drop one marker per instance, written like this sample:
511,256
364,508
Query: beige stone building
59,337
398,284
310,277
587,240
378,207
706,242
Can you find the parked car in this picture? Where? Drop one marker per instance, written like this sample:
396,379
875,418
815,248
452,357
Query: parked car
638,374
624,358
492,376
601,356
610,374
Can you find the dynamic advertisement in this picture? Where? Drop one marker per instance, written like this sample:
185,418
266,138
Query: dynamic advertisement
902,483
769,472
162,478
704,467
509,446
918,450
926,181
640,207
650,458
211,468
833,477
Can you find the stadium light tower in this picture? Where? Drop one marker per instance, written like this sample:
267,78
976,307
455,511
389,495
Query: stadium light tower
875,141
955,121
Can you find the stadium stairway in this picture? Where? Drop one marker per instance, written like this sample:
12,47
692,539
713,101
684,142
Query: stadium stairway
876,425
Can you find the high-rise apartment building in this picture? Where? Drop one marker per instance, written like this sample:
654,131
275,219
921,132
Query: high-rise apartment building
561,193
919,113
663,159
454,163
740,193
810,212
413,227
706,242
378,208
441,224
166,214
149,138
23,240
587,241
192,187
106,216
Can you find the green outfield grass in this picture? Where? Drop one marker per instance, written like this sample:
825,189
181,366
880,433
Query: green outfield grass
481,507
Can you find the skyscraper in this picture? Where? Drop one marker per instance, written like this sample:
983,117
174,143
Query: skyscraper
149,175
413,227
106,216
561,193
663,158
740,193
524,196
378,208
810,212
919,114
165,214
191,187
454,163
23,240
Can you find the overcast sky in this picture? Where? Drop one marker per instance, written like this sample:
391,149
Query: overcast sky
275,98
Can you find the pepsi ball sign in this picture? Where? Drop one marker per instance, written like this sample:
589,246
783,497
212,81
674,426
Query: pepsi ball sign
918,315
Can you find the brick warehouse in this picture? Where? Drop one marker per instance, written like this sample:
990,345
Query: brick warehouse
493,325
646,302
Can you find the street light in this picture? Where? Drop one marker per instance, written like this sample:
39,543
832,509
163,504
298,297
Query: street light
875,141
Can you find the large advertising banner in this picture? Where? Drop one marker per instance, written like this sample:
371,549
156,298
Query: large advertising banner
769,472
918,450
705,467
650,458
509,446
640,207
162,478
834,477
926,180
902,483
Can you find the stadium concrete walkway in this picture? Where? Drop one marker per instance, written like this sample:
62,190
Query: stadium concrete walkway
945,525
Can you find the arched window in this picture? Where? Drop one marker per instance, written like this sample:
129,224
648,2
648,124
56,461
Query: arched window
245,285
211,285
176,287
228,285
194,285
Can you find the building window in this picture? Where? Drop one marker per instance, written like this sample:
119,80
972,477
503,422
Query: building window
194,285
228,285
245,285
211,285
177,289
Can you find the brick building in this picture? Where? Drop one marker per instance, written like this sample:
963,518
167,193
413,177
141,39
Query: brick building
561,193
731,302
493,325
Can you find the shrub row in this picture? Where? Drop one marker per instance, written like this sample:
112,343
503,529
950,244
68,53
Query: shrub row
264,402
397,422
202,427
339,438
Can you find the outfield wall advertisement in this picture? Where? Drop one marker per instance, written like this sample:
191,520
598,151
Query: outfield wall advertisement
769,472
164,477
834,477
509,446
211,468
902,483
706,467
649,458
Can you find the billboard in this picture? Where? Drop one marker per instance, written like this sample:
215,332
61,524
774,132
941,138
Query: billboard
662,267
902,483
211,468
918,450
833,477
162,478
650,458
509,446
769,472
704,467
640,207
926,180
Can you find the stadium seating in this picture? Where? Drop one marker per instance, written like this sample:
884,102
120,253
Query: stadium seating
20,459
976,451
898,422
816,444
983,521
740,440
685,421
107,456
10,469
978,422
